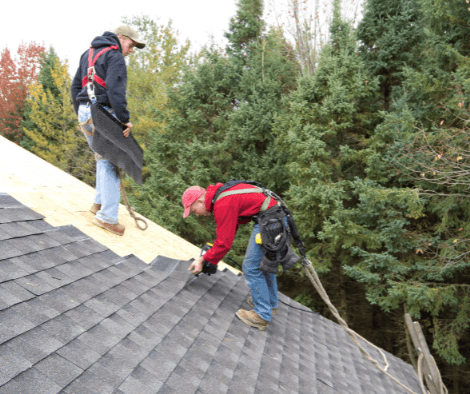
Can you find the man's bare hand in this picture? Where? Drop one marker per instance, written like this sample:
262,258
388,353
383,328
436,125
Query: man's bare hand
196,267
128,130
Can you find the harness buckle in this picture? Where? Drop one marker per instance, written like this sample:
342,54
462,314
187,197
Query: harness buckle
91,73
89,86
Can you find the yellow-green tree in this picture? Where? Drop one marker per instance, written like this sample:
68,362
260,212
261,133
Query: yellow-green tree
52,126
151,72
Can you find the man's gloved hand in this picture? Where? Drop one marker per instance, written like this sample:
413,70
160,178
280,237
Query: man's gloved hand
209,268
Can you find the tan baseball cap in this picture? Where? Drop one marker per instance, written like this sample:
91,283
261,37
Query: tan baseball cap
131,33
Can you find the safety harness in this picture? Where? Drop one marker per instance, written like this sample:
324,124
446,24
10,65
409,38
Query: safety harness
223,191
88,80
91,73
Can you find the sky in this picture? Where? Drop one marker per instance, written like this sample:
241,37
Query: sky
70,26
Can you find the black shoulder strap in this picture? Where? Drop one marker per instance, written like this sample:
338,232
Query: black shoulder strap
228,185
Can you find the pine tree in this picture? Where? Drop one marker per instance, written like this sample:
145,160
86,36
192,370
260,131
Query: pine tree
245,28
48,60
389,34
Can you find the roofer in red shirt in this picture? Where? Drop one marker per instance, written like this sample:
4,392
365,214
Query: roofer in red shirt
233,204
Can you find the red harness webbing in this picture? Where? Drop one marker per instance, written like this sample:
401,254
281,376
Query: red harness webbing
91,76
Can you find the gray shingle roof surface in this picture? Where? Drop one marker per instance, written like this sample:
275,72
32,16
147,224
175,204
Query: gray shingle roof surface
77,318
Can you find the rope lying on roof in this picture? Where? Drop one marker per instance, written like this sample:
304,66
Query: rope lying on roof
131,210
312,274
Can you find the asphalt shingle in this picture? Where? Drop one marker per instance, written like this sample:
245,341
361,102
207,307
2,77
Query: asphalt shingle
77,318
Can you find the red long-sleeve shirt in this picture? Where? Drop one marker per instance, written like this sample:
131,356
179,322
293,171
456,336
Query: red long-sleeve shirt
227,212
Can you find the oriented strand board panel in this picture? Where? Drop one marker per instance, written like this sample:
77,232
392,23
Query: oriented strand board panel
65,200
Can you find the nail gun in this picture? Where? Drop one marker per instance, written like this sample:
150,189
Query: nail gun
207,268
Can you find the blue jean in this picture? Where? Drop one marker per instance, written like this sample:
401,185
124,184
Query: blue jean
107,180
263,285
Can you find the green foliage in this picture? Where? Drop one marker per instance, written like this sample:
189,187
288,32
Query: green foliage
245,28
381,196
389,33
49,61
306,300
420,151
450,20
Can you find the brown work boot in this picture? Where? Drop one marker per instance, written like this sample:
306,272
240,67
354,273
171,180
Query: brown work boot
95,208
252,319
117,228
250,303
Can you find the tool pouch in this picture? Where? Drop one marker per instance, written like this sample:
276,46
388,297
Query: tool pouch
268,265
276,238
290,259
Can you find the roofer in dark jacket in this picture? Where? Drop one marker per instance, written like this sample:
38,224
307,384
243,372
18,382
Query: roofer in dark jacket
229,212
109,83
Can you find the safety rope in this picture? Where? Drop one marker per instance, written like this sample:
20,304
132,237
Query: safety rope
131,210
420,373
312,274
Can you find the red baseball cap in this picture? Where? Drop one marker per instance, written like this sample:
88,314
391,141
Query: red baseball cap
190,195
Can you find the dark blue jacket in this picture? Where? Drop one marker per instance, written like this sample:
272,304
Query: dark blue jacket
111,67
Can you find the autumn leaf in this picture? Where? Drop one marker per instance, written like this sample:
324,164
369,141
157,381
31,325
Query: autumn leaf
16,74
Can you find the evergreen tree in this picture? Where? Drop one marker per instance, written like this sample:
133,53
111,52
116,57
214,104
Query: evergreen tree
47,63
389,34
245,28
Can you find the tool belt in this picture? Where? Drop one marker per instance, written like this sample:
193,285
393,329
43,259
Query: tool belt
276,238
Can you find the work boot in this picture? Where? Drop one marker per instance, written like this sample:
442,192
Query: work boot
95,208
117,228
252,319
250,303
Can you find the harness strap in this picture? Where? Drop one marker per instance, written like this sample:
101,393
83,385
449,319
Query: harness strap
247,191
91,76
87,122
